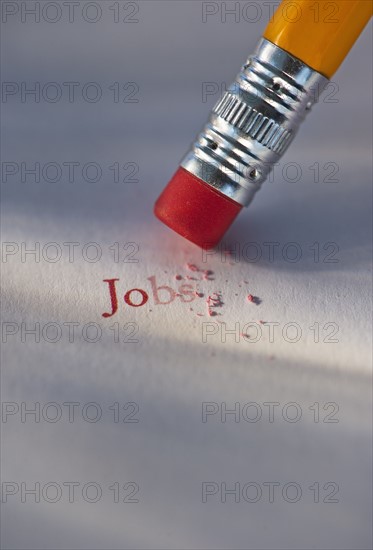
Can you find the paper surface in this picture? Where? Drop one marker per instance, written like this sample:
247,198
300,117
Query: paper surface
301,358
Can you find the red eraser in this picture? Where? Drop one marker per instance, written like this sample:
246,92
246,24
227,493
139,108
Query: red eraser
195,210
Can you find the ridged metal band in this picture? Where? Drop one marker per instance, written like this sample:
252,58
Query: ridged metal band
254,122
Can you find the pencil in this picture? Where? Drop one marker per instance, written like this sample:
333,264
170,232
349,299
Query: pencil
256,120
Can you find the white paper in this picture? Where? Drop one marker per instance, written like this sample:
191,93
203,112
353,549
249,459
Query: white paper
170,453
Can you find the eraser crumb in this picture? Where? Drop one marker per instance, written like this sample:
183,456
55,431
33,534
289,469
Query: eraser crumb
253,299
192,267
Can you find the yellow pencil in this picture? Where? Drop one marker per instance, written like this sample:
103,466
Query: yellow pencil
255,121
319,33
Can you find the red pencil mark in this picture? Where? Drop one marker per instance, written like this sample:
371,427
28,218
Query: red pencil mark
213,301
207,275
128,298
186,292
113,297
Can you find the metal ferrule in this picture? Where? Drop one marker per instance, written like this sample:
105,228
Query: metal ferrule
254,122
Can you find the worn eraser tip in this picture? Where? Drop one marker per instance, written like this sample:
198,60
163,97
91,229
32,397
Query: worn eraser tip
195,210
